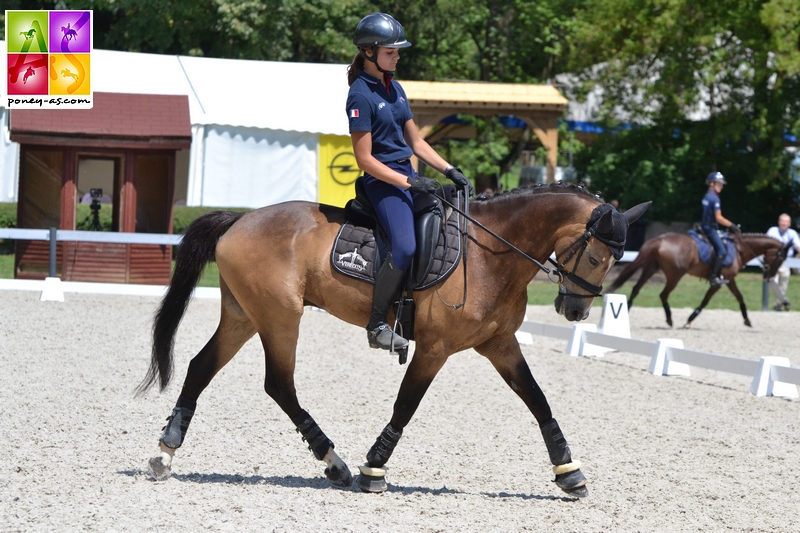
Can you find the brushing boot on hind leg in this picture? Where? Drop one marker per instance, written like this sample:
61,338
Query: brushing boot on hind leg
336,472
172,437
388,282
569,477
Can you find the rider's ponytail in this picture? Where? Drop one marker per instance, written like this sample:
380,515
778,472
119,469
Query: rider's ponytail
355,66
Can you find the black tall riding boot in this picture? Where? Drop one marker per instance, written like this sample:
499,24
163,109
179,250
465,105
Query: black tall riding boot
715,278
388,282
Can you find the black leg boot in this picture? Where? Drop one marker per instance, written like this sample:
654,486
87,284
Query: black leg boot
388,282
715,278
569,477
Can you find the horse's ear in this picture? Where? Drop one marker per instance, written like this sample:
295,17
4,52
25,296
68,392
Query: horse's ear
633,214
605,225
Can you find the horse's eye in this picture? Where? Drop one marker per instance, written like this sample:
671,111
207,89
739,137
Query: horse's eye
594,262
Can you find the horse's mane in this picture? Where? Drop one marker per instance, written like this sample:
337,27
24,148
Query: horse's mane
755,235
539,188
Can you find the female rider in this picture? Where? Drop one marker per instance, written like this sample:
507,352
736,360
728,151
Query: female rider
384,137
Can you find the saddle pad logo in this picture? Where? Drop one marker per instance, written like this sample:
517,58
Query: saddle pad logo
352,260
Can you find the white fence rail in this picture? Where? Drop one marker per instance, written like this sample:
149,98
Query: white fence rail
772,376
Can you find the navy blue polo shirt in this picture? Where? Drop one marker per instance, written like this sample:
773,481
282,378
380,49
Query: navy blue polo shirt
711,203
370,107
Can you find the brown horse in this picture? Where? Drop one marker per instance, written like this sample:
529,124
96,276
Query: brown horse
676,255
276,260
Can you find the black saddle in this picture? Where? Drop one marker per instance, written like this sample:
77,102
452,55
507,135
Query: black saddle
361,245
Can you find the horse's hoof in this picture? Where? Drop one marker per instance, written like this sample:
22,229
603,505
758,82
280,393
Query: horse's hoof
748,324
669,323
340,478
580,492
160,470
372,479
573,483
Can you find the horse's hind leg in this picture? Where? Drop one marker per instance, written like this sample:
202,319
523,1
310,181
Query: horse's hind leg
279,333
647,273
506,357
233,331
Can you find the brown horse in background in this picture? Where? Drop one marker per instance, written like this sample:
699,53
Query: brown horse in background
275,261
676,255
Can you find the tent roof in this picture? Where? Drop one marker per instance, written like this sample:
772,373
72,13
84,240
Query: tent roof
473,94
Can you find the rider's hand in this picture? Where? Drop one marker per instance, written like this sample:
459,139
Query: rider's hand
422,185
456,176
734,228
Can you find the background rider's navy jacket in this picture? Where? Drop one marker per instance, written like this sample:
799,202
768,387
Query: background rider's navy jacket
711,203
370,107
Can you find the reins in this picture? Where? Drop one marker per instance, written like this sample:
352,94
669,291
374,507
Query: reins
578,246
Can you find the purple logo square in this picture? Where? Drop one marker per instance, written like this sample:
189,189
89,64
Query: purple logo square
70,32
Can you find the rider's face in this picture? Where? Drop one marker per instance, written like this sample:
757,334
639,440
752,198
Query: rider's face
388,58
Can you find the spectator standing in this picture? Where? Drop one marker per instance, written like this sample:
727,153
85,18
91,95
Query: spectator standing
780,283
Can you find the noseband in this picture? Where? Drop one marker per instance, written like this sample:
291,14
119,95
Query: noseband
578,246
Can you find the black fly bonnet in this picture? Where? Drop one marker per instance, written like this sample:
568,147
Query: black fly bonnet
610,227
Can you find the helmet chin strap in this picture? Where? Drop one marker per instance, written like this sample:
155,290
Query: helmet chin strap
374,59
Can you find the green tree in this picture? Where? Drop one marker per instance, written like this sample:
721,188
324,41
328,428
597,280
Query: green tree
729,65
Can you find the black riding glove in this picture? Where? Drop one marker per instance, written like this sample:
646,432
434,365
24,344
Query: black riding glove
456,176
734,228
421,185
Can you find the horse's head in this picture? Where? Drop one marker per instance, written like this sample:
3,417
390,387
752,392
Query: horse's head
773,259
583,260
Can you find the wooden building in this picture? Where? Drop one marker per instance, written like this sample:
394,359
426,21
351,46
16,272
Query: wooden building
125,146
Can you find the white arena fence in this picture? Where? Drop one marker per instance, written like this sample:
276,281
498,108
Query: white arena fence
772,376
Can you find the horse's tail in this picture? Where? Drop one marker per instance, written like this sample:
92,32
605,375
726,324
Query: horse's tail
630,269
197,249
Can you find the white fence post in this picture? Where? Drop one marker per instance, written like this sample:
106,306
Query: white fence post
575,346
523,337
764,385
52,291
660,364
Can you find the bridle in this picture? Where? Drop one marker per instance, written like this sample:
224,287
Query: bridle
578,246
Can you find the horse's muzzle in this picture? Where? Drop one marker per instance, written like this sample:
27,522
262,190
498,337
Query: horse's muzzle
572,308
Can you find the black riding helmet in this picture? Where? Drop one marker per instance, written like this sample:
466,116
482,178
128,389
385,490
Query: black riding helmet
379,29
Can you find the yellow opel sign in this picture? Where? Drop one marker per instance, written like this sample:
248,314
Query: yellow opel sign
337,170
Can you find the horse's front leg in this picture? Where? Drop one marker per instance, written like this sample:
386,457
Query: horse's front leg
709,294
506,357
423,368
735,290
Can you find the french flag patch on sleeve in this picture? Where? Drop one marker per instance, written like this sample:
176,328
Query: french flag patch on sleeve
354,113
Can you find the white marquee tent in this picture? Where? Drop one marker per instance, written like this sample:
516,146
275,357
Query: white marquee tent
255,124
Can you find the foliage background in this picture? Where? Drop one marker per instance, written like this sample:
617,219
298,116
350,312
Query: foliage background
688,86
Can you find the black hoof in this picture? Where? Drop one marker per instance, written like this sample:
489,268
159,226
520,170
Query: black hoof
573,483
748,324
338,477
372,479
